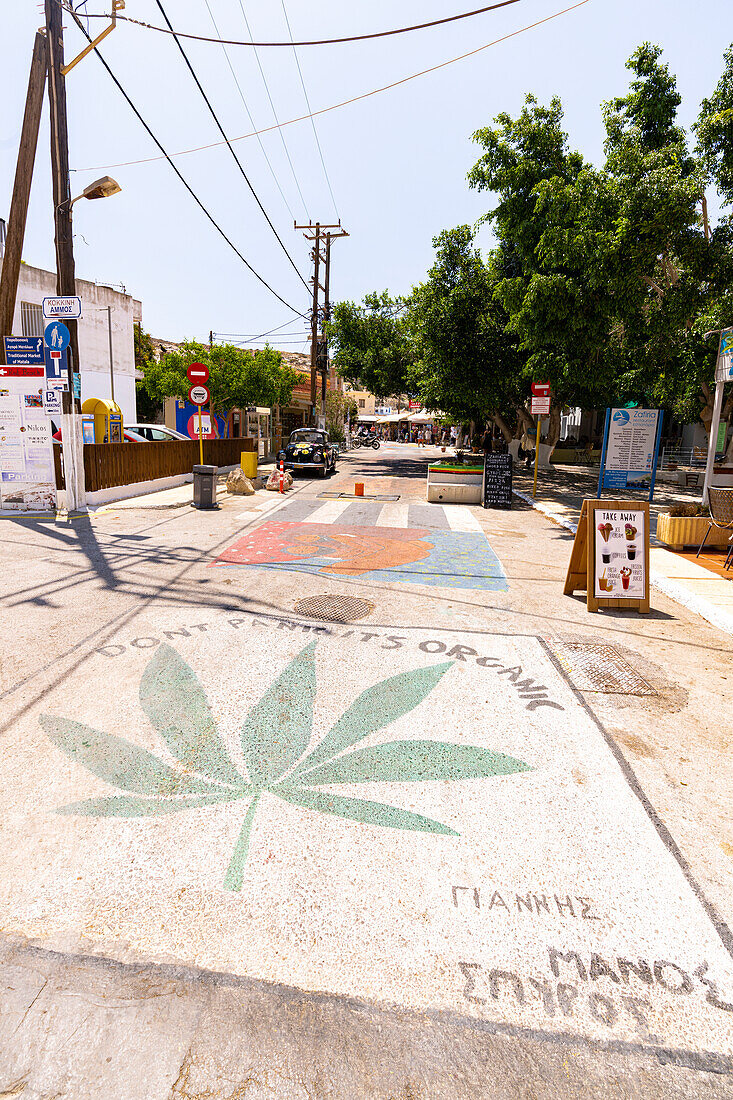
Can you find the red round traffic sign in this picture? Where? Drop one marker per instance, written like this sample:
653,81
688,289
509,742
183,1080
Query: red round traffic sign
198,395
198,373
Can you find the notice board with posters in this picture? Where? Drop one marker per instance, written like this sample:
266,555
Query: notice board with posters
497,481
27,477
630,451
610,555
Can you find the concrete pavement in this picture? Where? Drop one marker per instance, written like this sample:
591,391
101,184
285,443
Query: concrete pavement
254,853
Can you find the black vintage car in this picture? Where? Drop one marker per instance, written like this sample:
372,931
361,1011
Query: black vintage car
309,449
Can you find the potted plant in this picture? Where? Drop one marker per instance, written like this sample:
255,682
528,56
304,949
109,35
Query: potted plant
685,525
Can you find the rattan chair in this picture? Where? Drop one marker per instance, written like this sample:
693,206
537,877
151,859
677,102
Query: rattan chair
721,512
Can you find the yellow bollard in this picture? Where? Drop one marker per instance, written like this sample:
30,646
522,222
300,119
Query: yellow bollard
248,462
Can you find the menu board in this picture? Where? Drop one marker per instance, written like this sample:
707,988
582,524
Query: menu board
27,477
620,558
630,449
497,481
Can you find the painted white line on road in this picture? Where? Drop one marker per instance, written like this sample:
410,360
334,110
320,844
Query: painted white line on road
328,512
393,514
461,518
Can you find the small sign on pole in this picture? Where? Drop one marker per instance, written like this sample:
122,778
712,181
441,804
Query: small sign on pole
69,306
610,555
199,395
540,407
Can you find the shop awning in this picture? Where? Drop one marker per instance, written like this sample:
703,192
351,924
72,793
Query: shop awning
423,417
394,418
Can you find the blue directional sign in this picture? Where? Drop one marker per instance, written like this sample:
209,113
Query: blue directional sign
57,336
56,364
23,351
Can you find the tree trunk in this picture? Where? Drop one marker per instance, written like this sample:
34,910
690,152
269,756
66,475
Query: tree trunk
525,423
554,431
501,424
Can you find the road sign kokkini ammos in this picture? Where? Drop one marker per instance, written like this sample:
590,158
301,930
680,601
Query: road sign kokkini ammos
541,389
198,373
198,395
69,306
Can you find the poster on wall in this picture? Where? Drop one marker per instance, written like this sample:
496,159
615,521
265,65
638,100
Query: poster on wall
620,559
27,477
630,449
187,421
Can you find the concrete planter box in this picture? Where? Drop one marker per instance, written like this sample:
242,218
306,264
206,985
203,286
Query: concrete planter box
677,532
453,485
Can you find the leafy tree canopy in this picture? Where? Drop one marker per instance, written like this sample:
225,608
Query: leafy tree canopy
372,347
237,378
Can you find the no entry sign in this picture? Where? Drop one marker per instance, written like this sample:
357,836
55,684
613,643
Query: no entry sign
198,373
198,395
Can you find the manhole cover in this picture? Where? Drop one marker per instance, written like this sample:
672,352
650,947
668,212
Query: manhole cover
337,609
599,668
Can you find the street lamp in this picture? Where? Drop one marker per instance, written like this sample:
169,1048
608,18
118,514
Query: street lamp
100,189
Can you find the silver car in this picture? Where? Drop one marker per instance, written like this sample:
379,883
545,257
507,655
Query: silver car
156,433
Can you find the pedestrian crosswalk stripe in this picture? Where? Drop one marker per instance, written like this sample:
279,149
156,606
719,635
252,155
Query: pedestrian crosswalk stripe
394,514
329,512
460,518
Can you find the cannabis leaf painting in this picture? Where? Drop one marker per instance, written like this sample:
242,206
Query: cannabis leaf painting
275,739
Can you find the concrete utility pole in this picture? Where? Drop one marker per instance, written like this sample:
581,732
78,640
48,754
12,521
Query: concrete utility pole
316,234
22,189
65,275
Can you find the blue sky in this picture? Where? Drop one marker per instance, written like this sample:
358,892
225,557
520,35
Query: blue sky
397,162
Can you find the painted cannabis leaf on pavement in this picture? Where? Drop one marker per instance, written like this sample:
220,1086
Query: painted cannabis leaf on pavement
275,738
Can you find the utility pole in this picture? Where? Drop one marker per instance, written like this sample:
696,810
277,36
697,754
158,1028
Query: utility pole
316,234
22,189
65,274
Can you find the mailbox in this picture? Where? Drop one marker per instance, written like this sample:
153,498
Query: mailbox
107,415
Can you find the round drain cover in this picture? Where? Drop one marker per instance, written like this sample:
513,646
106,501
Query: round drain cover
337,609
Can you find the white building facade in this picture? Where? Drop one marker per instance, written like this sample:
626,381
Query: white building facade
35,284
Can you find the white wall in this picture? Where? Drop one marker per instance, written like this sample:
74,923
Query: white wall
35,284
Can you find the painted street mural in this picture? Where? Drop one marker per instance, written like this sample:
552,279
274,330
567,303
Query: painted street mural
442,826
274,737
442,559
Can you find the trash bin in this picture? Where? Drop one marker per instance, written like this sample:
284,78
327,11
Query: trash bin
204,486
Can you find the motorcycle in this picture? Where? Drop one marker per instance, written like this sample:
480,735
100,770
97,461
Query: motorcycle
366,440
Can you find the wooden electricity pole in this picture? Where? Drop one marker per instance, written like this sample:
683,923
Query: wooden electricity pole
22,189
318,233
65,273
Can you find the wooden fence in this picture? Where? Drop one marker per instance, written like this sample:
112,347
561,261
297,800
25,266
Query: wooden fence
110,464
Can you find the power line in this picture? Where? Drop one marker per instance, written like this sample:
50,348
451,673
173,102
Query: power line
316,41
344,102
274,112
229,145
310,113
185,183
249,113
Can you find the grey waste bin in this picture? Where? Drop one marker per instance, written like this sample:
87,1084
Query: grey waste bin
204,486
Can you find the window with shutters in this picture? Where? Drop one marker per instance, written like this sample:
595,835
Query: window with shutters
31,319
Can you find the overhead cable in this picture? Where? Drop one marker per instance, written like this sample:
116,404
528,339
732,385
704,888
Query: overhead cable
274,112
215,117
185,183
249,113
344,102
310,113
316,41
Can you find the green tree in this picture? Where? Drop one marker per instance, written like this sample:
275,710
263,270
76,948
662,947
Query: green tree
372,347
468,366
237,378
339,405
714,129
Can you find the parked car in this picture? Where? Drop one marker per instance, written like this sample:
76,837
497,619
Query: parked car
130,436
309,449
157,433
